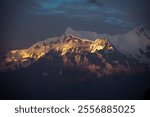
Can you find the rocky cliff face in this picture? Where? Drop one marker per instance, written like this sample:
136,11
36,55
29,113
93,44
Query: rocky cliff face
98,57
74,66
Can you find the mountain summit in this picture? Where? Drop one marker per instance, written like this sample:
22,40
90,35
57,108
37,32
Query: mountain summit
82,34
135,43
70,49
76,48
79,65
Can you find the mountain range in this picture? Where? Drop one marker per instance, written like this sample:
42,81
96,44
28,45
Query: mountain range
81,56
135,44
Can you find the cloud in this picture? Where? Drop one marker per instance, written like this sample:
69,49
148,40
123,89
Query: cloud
84,10
117,21
113,11
49,7
95,2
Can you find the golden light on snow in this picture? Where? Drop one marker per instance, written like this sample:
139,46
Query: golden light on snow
71,45
74,46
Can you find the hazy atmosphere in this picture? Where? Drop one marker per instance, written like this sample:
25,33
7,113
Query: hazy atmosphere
75,49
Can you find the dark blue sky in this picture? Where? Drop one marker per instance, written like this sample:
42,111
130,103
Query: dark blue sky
23,22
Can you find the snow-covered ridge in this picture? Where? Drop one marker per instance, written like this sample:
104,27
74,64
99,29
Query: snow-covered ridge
63,45
135,43
82,34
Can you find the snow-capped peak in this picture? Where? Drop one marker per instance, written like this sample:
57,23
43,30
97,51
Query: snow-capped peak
142,31
134,43
69,29
82,34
